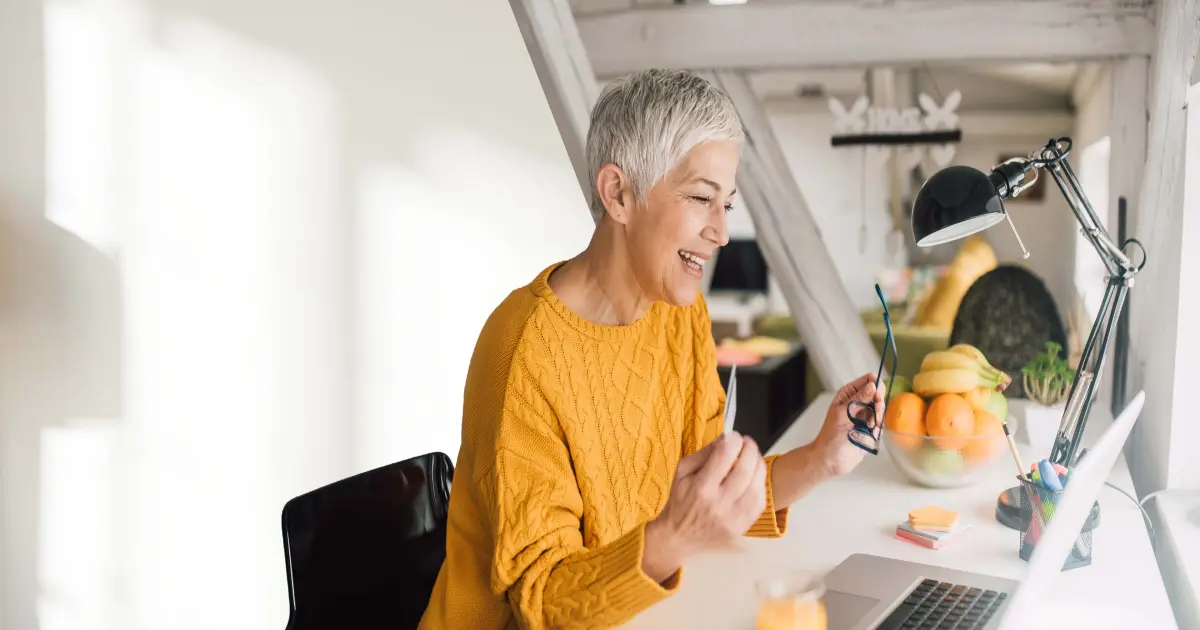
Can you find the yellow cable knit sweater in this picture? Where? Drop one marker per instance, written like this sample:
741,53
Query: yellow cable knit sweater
571,435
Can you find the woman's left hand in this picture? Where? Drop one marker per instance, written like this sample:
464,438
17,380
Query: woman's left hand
837,454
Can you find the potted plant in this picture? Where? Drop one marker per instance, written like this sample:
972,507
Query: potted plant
1047,380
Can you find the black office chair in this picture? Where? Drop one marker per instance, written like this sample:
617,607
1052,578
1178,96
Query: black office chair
364,552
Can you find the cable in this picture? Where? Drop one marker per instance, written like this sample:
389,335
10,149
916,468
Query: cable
1149,496
1145,516
1060,152
1140,246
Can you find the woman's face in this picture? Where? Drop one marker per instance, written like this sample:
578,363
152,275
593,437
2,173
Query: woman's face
682,223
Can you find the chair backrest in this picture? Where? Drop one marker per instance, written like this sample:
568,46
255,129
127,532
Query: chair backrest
364,552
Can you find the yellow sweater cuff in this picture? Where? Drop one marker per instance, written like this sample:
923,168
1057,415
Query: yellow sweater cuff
620,575
772,523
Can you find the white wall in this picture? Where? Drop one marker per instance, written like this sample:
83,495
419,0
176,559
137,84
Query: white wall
1092,96
837,186
250,254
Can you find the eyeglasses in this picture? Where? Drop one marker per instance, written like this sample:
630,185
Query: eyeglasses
862,414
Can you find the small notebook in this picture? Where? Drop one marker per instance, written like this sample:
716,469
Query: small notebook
933,518
931,539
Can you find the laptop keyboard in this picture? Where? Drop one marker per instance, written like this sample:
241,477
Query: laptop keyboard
934,605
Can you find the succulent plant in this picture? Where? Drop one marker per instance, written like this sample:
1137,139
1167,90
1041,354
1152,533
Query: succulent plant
1047,377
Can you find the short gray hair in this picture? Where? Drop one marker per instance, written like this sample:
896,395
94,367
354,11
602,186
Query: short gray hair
646,122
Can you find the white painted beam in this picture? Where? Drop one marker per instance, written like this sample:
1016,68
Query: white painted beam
811,33
562,66
835,338
1088,78
1155,300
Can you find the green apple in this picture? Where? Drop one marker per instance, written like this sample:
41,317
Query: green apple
997,405
899,385
941,462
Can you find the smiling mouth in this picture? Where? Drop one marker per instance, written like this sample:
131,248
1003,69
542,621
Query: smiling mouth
694,263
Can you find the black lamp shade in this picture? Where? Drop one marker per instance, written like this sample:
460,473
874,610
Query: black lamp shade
956,202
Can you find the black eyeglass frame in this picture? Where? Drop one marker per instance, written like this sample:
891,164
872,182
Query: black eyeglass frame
863,427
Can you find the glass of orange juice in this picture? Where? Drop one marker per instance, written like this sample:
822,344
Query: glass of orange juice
791,601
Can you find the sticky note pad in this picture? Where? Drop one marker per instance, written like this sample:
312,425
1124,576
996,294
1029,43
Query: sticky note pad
931,539
933,518
925,527
907,526
918,540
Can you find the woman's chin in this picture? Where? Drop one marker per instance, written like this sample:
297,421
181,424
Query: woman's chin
683,293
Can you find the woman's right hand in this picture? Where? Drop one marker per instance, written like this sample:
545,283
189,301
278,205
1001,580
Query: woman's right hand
717,494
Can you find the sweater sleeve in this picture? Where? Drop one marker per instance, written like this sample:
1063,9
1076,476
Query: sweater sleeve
708,421
531,495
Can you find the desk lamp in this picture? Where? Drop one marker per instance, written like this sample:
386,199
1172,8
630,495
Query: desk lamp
959,201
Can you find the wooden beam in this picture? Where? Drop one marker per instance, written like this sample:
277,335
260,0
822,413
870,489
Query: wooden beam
563,69
1155,300
811,33
833,332
1088,78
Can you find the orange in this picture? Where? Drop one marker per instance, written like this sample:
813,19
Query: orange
906,414
950,418
989,426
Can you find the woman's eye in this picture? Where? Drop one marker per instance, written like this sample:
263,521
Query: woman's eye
703,200
728,207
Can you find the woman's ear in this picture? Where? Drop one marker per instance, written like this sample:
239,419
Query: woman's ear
614,192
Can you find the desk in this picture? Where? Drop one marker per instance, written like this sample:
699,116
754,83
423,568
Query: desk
858,513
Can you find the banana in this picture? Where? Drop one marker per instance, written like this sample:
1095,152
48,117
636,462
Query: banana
934,382
946,360
1002,380
968,350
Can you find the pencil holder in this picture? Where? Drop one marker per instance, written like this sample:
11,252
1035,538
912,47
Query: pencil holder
1037,509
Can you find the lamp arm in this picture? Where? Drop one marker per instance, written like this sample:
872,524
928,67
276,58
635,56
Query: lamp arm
1121,272
1113,256
1091,364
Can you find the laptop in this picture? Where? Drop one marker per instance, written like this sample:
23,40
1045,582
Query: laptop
873,592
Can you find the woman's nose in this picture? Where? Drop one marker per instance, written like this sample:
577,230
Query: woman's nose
717,230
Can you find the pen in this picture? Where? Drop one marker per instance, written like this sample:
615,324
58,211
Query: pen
1012,447
731,399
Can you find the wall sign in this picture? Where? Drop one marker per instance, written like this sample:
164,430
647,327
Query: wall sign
911,133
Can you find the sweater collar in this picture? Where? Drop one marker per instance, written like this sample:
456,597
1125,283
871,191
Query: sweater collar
541,288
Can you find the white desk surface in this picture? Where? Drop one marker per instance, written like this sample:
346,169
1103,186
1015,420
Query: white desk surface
858,513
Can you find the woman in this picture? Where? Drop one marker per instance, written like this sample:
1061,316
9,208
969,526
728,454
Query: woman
593,462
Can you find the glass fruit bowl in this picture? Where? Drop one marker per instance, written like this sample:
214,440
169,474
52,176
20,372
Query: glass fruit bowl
943,462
